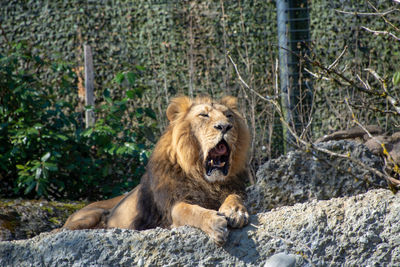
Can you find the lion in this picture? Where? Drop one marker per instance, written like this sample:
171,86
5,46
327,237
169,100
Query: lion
195,176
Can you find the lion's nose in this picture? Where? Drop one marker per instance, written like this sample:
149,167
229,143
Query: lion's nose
223,127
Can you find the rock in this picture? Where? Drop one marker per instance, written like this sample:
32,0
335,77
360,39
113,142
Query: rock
361,230
301,176
281,260
391,144
375,139
20,219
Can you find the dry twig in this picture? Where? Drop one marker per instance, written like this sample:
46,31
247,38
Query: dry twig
375,32
368,13
391,181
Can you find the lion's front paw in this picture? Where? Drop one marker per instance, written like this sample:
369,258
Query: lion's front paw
215,225
236,214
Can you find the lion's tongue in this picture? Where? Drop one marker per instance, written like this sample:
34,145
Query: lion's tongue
219,150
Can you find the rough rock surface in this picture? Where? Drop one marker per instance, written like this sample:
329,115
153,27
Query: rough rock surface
362,230
299,176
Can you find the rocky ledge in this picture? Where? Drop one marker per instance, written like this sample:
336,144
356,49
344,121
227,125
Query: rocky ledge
362,230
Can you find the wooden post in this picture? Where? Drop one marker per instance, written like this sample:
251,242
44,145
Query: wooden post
89,86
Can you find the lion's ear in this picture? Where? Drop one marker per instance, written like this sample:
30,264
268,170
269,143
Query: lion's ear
178,106
229,101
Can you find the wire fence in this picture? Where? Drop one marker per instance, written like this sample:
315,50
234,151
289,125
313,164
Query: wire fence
184,46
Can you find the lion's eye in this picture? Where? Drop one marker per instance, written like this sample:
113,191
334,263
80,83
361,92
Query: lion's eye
205,115
229,115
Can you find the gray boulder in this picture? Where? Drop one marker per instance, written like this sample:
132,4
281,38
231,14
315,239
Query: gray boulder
281,260
301,176
361,230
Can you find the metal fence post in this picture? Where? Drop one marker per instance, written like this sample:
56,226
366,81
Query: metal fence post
293,39
282,17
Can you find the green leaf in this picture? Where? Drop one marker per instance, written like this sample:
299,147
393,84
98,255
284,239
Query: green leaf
62,137
20,167
38,126
38,60
33,131
131,77
396,78
130,94
38,173
107,97
121,150
141,68
51,166
131,146
119,78
41,189
30,187
46,157
88,132
150,113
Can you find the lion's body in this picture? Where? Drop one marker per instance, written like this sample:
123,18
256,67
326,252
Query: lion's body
197,168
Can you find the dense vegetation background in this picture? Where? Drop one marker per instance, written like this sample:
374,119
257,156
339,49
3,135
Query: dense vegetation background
145,52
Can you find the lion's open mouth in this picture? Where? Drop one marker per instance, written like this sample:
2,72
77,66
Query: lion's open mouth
218,158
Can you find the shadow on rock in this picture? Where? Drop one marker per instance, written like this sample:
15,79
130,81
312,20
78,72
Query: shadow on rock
241,243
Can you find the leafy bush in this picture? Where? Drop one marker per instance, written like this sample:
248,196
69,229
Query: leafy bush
45,150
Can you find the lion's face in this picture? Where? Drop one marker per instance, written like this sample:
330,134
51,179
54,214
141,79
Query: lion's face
210,138
213,127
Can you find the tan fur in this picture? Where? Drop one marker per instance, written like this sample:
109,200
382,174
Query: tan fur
121,217
176,189
90,216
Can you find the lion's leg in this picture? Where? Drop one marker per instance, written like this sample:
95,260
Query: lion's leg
210,221
84,219
91,215
235,211
123,214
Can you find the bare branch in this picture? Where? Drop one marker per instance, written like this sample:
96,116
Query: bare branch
355,13
337,59
391,181
244,83
317,75
381,33
339,77
385,152
383,17
394,102
365,83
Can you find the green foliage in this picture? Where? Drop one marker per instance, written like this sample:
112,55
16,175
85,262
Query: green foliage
181,44
396,78
45,151
183,47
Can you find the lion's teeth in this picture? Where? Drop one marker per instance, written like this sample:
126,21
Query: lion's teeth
216,163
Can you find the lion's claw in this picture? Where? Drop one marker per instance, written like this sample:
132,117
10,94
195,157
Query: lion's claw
237,216
217,227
